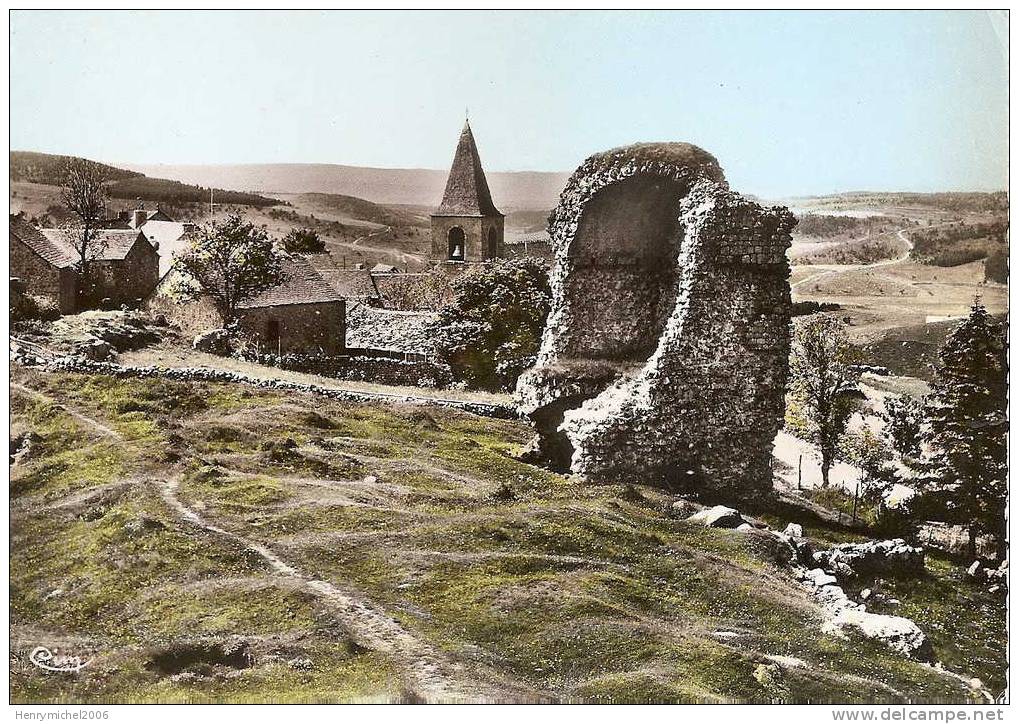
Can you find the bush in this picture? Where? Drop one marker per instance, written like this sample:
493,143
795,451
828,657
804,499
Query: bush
27,306
489,333
305,241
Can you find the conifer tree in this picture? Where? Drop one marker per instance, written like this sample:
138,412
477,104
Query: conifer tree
967,429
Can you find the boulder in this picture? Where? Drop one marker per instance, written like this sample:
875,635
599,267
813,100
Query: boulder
886,558
794,530
96,350
819,577
974,570
896,632
718,517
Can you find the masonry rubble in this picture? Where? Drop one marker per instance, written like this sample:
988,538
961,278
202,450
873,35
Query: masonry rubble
664,359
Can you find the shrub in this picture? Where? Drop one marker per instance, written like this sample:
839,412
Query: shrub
489,333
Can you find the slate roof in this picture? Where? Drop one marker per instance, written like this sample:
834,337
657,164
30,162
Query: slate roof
118,242
467,191
301,285
355,284
54,253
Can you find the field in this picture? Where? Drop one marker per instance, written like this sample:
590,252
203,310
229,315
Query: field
223,543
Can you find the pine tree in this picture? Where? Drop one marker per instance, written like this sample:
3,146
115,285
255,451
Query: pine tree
968,429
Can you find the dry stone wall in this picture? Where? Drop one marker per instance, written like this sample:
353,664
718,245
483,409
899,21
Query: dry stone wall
664,360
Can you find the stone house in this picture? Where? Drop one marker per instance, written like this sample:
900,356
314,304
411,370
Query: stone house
466,227
44,259
45,268
303,314
126,270
354,285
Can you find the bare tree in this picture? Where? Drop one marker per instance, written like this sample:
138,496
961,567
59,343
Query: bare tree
84,194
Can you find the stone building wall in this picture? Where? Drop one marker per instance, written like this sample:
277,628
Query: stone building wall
303,328
41,278
131,279
665,356
477,231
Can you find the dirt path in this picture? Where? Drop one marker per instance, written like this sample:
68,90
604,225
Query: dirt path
90,422
428,672
844,268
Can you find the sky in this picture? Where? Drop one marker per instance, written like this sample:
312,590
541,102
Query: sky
789,102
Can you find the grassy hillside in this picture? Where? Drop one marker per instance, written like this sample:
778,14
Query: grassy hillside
391,552
49,169
337,207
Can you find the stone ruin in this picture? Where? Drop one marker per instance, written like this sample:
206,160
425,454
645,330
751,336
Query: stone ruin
665,356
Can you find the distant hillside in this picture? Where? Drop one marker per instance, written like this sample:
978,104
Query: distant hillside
957,201
48,169
420,187
341,208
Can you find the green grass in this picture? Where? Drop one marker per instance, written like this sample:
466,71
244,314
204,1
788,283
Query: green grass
573,591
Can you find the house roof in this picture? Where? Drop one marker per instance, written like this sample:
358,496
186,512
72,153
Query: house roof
467,191
348,283
301,285
54,253
117,242
170,237
384,269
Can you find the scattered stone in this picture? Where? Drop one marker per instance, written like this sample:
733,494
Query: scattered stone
793,530
96,350
974,569
370,480
727,635
718,517
55,593
682,508
301,663
865,594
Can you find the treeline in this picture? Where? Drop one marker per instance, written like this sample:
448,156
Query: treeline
824,226
175,192
46,168
960,243
959,201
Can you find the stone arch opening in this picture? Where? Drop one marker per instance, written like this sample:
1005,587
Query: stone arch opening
623,260
456,244
493,244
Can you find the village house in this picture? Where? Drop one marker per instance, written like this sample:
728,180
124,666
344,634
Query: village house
46,269
303,314
356,285
166,235
125,271
466,227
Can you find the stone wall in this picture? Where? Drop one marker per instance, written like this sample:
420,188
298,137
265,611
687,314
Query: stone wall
303,328
41,278
476,230
664,360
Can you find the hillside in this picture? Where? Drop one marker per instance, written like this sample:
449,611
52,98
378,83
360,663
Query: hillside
48,170
419,187
216,542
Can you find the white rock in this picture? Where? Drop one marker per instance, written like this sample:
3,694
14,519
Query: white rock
371,480
794,530
896,632
718,517
865,594
744,527
819,578
973,569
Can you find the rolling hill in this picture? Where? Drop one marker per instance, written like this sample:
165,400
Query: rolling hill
418,187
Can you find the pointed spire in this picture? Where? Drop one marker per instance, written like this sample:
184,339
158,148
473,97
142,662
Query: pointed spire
467,191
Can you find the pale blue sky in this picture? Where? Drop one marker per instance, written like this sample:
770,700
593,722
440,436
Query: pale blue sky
789,102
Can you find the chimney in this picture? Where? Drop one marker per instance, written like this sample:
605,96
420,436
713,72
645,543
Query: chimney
139,218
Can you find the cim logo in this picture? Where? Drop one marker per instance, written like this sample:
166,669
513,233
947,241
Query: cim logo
46,659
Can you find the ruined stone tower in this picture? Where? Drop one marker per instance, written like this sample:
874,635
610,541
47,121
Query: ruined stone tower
665,356
466,227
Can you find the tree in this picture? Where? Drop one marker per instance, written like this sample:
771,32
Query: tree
84,194
823,383
903,420
305,241
968,427
230,260
490,331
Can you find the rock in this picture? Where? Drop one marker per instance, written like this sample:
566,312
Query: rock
745,527
888,557
682,508
97,350
974,569
370,480
794,530
865,594
896,632
215,341
718,517
818,577
301,663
